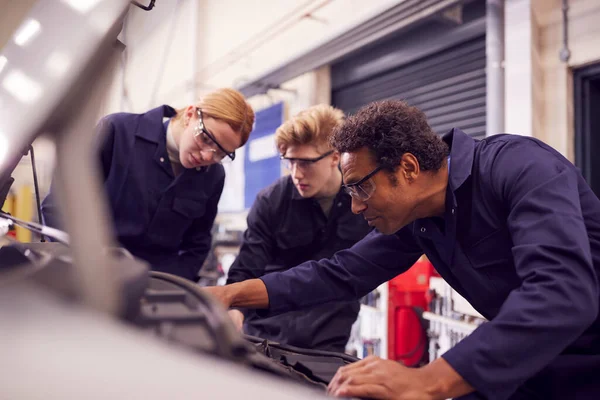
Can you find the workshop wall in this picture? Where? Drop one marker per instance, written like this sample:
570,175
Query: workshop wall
584,44
158,60
183,48
539,86
555,108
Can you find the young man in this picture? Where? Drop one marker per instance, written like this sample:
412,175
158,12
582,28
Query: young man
507,221
303,216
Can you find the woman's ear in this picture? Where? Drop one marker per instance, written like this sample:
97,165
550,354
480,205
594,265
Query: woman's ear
188,115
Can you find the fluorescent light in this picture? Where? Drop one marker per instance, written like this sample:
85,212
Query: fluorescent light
22,87
3,61
57,64
83,6
27,31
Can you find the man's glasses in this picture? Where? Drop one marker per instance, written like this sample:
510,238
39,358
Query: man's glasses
364,188
302,163
209,143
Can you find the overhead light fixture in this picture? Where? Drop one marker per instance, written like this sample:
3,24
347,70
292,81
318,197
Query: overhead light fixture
27,32
22,87
3,61
57,64
82,6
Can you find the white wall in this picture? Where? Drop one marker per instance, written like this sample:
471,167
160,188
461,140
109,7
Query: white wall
158,59
232,41
556,111
518,69
262,34
539,86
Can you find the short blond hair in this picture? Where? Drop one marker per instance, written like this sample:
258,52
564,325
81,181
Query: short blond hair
227,105
311,126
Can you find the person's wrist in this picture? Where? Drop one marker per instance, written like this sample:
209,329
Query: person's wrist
435,386
229,294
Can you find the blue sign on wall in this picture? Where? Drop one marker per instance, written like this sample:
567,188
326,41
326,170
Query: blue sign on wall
261,162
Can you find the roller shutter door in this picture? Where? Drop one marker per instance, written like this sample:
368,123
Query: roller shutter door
438,67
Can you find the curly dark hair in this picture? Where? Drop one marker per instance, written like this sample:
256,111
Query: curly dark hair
389,129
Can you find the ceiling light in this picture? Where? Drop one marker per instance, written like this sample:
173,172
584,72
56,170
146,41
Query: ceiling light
3,61
27,31
22,87
83,6
57,64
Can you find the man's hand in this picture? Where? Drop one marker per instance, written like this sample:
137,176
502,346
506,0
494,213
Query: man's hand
238,318
378,379
385,379
249,294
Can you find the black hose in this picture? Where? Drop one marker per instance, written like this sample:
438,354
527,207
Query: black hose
37,191
143,7
229,343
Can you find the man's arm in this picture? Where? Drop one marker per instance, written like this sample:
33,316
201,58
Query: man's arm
258,244
251,293
348,275
198,238
558,298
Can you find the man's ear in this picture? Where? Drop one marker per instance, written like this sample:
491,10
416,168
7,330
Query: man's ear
409,167
335,159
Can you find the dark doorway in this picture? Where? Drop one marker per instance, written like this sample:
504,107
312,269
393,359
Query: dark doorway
587,124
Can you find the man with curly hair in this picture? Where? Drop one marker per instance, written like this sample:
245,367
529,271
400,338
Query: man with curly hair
507,221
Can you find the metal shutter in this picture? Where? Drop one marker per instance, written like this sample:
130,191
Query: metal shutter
449,86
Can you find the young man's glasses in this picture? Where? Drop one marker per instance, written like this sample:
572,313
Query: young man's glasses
209,142
302,163
364,188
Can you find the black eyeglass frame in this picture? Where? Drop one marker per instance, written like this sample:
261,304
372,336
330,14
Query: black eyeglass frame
352,188
308,160
363,180
201,127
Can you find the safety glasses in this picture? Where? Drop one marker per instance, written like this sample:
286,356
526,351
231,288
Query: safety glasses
209,142
302,163
364,188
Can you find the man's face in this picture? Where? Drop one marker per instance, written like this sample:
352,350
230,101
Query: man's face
387,201
309,173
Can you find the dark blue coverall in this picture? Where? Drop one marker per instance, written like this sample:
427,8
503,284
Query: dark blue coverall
520,241
284,230
160,218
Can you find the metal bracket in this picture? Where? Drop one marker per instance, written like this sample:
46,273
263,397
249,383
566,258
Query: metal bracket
565,53
143,7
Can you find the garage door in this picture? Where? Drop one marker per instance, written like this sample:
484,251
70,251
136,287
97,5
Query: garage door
448,84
